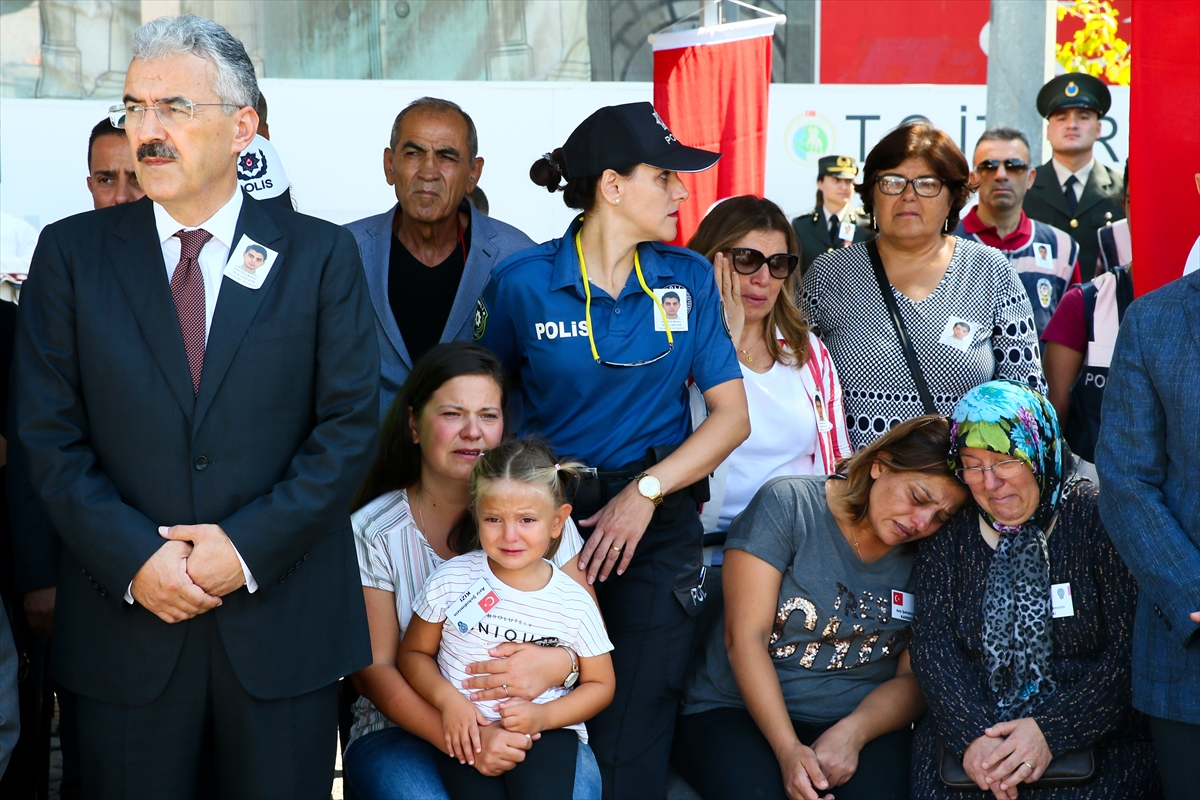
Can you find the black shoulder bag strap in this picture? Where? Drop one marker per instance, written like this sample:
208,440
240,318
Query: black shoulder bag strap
910,355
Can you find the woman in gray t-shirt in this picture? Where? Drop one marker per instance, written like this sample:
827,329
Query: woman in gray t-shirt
810,687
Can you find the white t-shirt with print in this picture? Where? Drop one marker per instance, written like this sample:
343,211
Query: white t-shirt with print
394,556
561,610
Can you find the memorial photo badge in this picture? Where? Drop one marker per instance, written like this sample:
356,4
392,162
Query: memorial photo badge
250,263
959,333
677,303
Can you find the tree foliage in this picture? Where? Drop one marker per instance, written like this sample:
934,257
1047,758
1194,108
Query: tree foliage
1095,48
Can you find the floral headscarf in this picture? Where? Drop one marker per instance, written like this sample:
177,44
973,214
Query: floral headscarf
1009,418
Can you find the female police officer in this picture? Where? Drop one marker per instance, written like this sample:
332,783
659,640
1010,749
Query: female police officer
602,373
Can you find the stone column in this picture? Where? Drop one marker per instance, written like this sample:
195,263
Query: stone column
1020,60
62,63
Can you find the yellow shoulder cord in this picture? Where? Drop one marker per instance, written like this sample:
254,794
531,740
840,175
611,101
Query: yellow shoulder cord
587,291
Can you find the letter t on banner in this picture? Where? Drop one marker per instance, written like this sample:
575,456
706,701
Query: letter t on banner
711,87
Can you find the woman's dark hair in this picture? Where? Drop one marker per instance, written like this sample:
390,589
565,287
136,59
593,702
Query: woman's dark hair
935,148
527,461
578,193
724,226
398,462
916,445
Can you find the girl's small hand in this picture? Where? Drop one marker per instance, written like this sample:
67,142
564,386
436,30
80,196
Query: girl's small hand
731,295
521,716
460,722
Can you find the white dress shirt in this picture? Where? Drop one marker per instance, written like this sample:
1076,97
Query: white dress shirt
1062,173
213,257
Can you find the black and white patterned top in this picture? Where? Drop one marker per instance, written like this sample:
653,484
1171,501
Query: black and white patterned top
976,326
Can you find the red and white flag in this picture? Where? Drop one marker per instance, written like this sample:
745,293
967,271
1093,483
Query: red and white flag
711,87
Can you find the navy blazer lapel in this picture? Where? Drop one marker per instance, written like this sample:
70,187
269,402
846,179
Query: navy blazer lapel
376,254
1050,190
480,260
137,261
236,305
1096,189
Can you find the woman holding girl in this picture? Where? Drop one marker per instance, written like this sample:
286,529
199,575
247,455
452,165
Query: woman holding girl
406,521
507,591
809,693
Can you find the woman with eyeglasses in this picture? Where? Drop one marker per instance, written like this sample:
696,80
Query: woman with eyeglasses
1023,637
602,370
917,281
797,425
807,693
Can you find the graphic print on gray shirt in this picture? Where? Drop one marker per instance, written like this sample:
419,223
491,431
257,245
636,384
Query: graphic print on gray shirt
834,638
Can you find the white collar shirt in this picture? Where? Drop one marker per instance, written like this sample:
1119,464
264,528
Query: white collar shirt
1062,173
213,256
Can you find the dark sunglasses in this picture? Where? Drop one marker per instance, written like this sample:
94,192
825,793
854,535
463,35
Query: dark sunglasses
748,261
1010,165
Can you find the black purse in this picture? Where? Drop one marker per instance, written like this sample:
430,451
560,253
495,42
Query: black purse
1074,768
910,355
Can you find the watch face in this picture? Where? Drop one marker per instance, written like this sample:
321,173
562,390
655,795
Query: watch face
649,486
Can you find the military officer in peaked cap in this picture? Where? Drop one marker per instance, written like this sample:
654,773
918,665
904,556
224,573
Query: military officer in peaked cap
1073,191
832,223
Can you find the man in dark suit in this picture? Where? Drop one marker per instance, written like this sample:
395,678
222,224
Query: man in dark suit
1073,191
1148,459
832,223
196,442
429,256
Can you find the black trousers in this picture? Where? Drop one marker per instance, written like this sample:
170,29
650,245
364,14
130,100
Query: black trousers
724,756
1177,746
548,771
204,720
653,637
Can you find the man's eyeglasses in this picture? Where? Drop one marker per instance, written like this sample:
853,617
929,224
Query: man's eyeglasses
924,186
1004,470
1010,165
748,261
170,112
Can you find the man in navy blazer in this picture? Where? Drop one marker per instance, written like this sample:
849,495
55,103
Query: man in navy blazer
1148,459
196,437
428,258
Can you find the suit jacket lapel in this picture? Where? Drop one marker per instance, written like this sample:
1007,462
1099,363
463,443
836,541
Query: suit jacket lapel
477,270
1096,189
376,254
138,264
236,306
1051,191
1193,306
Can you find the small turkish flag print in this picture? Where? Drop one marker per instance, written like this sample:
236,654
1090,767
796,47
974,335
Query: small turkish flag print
488,601
897,598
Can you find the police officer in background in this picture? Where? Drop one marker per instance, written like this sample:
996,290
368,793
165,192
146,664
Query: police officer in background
580,324
832,223
1074,192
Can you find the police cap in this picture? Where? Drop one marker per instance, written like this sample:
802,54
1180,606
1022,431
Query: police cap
837,166
1073,90
618,137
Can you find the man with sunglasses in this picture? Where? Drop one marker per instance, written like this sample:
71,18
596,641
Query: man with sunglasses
1073,191
833,223
1045,258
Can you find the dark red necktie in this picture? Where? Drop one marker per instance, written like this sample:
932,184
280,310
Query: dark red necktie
187,289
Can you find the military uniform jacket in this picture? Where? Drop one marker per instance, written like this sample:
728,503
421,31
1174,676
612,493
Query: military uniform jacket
1099,205
813,232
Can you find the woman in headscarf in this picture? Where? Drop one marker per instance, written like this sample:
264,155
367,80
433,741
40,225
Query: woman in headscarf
1023,631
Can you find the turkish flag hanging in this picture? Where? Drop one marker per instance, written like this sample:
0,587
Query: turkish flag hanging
711,87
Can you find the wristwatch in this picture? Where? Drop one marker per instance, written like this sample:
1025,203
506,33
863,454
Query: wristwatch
649,488
574,676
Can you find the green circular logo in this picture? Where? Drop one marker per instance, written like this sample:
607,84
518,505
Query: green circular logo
809,137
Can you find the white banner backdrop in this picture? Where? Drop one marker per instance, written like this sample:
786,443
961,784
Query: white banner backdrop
331,136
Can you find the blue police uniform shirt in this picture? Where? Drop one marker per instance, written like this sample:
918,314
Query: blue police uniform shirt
532,317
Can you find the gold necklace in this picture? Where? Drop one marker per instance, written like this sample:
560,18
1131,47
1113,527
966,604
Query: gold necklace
857,549
421,516
749,358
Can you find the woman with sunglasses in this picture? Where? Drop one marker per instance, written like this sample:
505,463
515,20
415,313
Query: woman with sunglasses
1023,637
918,278
602,374
797,425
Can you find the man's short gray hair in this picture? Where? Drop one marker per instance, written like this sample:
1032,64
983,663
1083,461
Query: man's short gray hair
235,82
437,104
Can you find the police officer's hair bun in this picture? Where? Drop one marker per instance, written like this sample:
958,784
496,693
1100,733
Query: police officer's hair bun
548,171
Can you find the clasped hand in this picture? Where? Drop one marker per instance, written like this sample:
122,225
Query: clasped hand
189,574
1008,754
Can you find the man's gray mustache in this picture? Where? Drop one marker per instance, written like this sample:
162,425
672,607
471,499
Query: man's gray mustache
156,150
